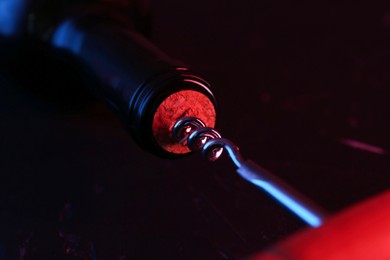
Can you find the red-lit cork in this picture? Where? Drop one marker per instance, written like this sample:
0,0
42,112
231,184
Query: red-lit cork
176,106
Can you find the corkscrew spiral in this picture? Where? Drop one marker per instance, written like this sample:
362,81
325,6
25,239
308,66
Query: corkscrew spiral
191,131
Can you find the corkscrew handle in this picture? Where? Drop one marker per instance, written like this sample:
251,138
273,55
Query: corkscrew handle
293,200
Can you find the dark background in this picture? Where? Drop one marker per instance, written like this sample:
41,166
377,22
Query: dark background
292,80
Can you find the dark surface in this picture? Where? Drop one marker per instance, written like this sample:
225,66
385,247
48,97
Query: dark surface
291,80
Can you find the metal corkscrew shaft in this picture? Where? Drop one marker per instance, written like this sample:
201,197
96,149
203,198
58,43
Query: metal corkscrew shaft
192,132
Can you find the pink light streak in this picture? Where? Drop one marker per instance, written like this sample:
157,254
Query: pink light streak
362,146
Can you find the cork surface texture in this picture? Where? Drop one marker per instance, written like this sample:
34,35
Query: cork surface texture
176,106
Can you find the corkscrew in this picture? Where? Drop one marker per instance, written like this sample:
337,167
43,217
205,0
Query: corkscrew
193,133
150,91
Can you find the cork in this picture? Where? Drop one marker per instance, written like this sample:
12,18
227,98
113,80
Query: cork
176,106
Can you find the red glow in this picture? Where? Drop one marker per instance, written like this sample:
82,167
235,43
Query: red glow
360,232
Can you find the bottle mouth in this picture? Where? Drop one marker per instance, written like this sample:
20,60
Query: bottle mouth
184,103
160,103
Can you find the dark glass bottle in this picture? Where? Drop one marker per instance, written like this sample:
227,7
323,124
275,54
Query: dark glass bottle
106,41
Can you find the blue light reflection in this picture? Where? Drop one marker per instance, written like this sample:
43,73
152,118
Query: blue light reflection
306,215
67,36
12,15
